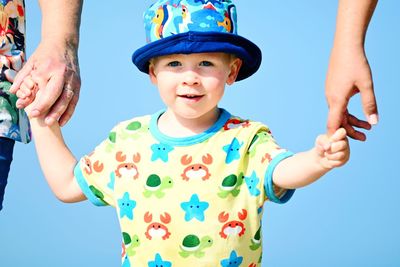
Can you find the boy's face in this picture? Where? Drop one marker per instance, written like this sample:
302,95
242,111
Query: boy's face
192,85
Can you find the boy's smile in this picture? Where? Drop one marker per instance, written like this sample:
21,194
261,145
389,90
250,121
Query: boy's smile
191,97
191,86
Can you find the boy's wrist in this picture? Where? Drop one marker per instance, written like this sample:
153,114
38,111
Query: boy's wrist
37,121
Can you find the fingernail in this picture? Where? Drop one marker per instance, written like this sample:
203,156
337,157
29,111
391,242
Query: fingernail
373,119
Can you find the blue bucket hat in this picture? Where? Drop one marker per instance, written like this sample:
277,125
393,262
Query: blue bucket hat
195,26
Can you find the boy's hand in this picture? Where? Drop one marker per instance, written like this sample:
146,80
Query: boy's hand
333,151
27,92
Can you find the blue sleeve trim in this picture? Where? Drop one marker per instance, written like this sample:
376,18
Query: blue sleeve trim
85,187
268,183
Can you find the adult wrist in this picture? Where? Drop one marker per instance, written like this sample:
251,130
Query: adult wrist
63,41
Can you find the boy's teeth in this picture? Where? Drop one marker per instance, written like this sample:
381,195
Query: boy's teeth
190,96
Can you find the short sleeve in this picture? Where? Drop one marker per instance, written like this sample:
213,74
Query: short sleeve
264,154
95,173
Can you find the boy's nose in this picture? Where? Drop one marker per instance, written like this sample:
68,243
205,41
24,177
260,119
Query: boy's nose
191,78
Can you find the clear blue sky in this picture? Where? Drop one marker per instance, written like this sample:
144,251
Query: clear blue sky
350,217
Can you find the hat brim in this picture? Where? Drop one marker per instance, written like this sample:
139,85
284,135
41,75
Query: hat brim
202,42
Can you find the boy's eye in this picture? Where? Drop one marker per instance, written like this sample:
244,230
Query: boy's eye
174,64
206,63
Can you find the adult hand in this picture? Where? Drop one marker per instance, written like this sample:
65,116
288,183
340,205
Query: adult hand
55,70
348,74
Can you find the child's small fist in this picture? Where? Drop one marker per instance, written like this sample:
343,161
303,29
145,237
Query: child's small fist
333,151
27,93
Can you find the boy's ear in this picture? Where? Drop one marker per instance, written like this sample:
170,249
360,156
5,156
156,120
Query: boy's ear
236,64
152,74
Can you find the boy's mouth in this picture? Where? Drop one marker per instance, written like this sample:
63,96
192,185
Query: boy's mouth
191,97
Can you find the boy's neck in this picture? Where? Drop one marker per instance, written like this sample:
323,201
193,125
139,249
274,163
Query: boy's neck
174,125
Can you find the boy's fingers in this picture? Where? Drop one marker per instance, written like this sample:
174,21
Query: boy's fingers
20,94
320,150
322,144
28,82
335,163
340,134
338,146
26,88
339,156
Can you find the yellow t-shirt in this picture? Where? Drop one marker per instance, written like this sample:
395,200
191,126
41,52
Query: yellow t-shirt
193,201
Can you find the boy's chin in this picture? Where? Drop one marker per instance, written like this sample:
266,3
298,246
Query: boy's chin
196,114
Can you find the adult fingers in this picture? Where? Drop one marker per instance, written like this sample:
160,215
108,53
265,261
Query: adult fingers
354,121
369,104
49,95
66,116
60,106
336,115
353,133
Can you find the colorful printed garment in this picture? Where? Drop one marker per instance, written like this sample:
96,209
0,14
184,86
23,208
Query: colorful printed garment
195,201
14,123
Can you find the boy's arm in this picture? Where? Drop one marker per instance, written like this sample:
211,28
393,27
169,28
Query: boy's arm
56,160
306,167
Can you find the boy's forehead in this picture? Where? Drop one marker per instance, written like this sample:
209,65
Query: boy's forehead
216,55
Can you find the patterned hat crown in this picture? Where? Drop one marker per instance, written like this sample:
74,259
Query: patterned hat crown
170,17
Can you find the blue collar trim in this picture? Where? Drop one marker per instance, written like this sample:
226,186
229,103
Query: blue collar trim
190,140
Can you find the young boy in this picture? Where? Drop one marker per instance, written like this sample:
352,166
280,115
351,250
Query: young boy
188,182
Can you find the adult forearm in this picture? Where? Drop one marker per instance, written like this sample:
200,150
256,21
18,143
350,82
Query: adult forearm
61,20
352,21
